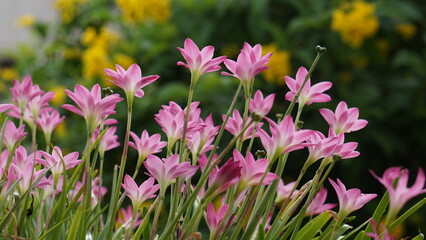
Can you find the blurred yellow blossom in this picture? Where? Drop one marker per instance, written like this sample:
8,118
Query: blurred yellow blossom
136,11
61,130
94,60
123,60
406,30
279,64
96,56
88,36
59,97
71,52
8,74
26,20
68,9
355,21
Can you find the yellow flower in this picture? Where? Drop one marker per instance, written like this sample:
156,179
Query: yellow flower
26,20
136,11
68,9
406,30
8,74
59,97
61,130
89,36
355,21
94,60
279,64
95,57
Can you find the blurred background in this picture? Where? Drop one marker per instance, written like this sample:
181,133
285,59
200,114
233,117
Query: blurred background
376,61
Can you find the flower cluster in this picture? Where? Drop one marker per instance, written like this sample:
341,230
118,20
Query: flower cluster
355,21
240,194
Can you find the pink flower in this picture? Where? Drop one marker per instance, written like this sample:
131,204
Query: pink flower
124,216
235,125
252,171
283,191
214,219
171,119
12,135
130,80
284,138
5,107
167,169
27,176
379,236
400,193
3,162
90,104
317,205
140,194
350,200
321,147
309,94
250,62
261,106
343,120
147,145
108,141
344,150
56,161
220,179
49,120
50,189
36,104
200,141
199,62
98,192
24,91
21,158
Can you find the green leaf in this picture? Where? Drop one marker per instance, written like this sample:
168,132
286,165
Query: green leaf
419,237
261,234
75,224
313,226
377,215
408,213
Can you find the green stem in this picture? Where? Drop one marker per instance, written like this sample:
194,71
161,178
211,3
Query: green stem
114,204
266,201
201,182
157,214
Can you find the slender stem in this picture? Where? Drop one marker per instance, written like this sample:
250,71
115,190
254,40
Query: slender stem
266,202
114,204
299,112
201,182
157,214
252,137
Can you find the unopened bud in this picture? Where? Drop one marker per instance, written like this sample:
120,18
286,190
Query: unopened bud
256,117
300,124
197,236
337,157
107,91
260,154
279,116
320,49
